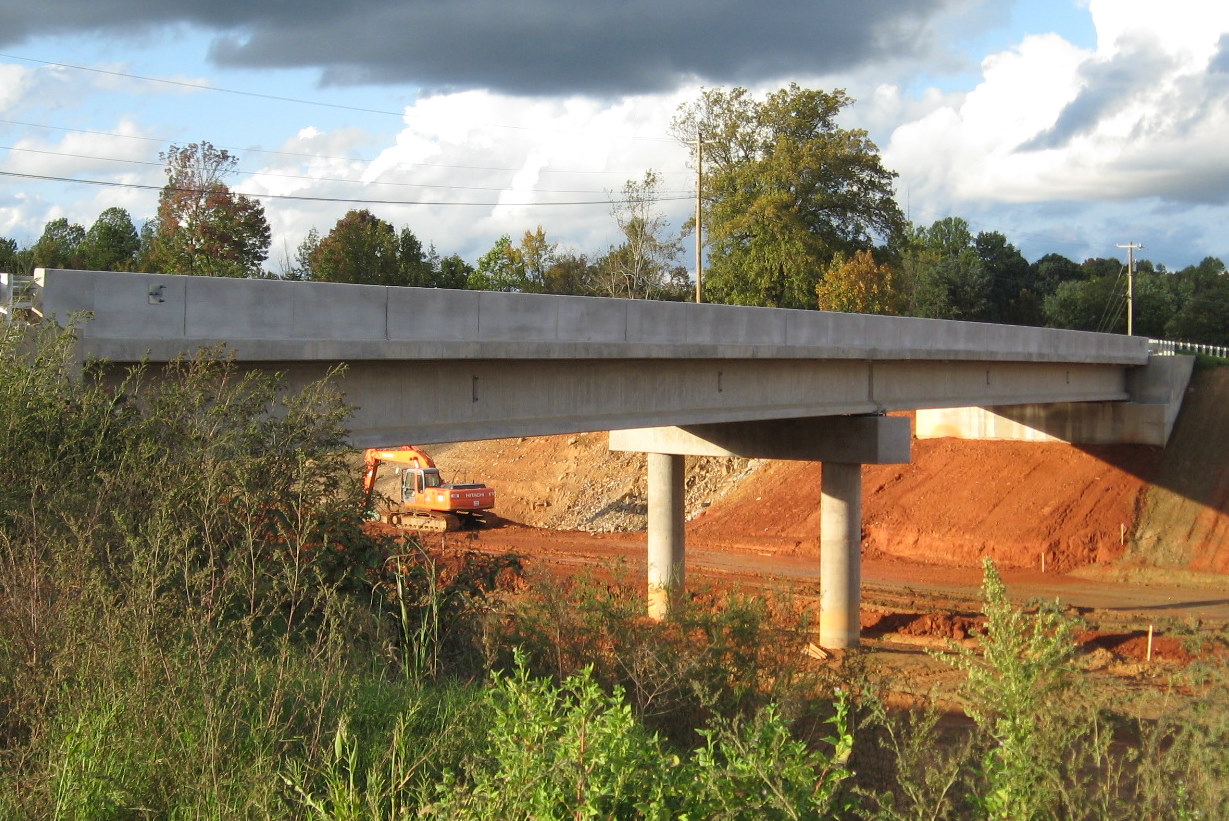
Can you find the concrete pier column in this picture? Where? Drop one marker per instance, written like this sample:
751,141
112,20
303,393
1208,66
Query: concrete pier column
666,539
840,555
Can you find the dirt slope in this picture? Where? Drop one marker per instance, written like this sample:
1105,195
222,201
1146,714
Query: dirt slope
956,502
1185,516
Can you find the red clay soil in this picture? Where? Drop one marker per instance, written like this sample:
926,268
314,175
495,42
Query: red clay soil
956,502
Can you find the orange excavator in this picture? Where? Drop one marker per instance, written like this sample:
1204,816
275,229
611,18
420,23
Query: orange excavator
421,500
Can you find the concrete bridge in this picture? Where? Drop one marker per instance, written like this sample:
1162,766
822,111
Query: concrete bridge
668,379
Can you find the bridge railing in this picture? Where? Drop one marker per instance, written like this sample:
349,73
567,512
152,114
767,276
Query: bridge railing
1170,347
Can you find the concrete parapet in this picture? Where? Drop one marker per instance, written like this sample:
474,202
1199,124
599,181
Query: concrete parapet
164,315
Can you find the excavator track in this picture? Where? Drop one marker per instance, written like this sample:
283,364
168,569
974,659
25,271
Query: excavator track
425,522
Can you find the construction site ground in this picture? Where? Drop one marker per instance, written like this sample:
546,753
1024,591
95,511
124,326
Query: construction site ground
1133,538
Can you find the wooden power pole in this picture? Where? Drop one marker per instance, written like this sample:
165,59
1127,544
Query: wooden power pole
1131,246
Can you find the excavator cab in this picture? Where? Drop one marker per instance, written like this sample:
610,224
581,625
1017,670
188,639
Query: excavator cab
415,480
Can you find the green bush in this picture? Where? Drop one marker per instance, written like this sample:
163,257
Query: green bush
573,751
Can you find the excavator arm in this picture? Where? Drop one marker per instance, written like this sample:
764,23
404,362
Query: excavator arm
406,455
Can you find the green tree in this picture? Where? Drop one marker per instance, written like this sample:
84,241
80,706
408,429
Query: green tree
784,190
453,272
112,242
955,287
1052,270
10,257
859,285
414,263
946,276
947,237
1204,314
59,246
533,258
572,273
361,248
1084,306
499,269
300,267
202,227
1013,297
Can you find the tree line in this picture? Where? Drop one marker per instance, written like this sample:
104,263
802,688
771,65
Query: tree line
796,212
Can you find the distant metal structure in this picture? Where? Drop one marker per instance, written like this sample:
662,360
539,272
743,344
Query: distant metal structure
1170,347
17,294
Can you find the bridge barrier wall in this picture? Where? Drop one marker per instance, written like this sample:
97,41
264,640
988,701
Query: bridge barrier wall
162,315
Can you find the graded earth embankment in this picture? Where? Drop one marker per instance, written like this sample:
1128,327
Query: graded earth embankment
1184,518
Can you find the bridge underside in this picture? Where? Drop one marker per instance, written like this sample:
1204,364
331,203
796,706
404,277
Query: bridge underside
448,401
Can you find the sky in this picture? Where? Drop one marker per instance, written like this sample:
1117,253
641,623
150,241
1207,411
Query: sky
1070,126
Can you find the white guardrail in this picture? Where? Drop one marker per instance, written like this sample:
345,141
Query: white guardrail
1169,347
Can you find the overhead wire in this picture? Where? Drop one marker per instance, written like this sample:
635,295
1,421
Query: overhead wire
318,179
300,155
305,198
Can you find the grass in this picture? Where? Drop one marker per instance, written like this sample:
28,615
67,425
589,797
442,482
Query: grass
194,624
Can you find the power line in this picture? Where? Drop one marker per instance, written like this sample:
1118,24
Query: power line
303,198
300,155
306,177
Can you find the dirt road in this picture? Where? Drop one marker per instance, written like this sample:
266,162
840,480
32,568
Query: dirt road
887,583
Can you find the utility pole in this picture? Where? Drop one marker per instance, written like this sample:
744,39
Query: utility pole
699,141
1131,246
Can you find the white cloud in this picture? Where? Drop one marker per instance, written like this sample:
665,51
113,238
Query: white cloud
14,81
1140,116
480,164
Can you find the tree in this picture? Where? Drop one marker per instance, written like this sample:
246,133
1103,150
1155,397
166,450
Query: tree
1012,293
413,262
536,255
59,246
361,248
203,228
784,190
945,276
1204,314
859,285
499,269
14,260
572,273
453,272
947,237
640,267
112,242
300,268
954,287
1052,270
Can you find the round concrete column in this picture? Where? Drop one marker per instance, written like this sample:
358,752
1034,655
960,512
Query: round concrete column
666,541
840,555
